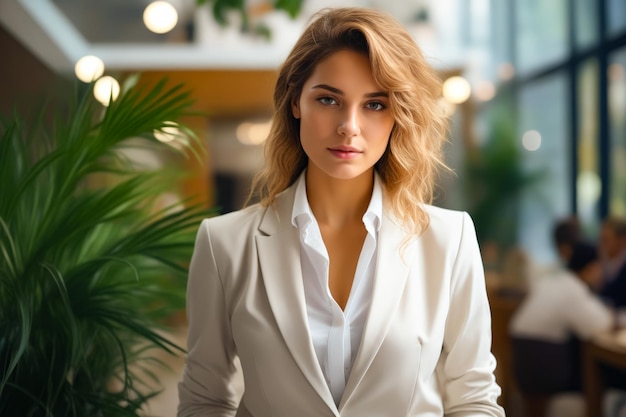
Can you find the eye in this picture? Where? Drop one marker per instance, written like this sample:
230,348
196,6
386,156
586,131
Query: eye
328,101
376,106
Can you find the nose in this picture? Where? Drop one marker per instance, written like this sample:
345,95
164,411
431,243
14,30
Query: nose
349,124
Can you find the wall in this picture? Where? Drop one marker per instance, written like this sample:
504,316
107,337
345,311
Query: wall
24,80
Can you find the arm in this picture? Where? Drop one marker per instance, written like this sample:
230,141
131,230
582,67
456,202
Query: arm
207,386
588,316
466,365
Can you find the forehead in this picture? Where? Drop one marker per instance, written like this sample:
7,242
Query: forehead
343,65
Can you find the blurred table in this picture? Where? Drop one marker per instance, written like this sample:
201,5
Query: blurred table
605,350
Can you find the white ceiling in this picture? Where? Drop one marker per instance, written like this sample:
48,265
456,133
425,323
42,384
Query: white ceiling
59,32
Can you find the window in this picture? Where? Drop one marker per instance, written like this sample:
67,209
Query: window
543,110
542,31
586,23
616,16
617,131
588,183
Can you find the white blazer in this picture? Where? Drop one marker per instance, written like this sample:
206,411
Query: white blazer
426,345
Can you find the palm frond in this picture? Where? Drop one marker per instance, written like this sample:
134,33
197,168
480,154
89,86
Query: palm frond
89,261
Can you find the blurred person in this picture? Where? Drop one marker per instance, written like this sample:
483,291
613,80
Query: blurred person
343,292
559,311
613,249
565,234
562,304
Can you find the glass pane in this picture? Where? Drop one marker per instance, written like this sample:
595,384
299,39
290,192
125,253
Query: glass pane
586,29
491,174
588,181
501,36
617,132
616,16
543,129
541,33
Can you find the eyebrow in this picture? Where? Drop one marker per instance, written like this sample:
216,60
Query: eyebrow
338,91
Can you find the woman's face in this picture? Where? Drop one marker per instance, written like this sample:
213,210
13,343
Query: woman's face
345,120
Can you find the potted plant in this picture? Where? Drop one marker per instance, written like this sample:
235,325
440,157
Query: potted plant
495,181
248,15
91,262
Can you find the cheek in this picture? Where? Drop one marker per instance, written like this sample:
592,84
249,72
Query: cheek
312,132
316,123
381,130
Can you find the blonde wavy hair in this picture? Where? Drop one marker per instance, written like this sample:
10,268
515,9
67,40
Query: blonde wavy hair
409,166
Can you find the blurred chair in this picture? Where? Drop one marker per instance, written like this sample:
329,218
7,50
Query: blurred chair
543,369
503,306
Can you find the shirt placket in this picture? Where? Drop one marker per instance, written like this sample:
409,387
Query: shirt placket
337,352
337,336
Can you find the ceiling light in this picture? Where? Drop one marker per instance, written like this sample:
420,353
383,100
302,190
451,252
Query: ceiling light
253,133
89,68
160,17
106,89
456,89
531,140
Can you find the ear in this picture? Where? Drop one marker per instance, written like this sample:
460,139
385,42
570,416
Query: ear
295,108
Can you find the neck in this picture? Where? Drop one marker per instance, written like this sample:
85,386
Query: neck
336,202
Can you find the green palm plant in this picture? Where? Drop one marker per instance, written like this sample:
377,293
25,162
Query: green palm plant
496,180
221,8
87,272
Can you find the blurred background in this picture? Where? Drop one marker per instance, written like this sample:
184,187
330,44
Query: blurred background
536,91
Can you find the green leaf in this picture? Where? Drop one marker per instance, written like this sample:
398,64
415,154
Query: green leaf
90,264
292,7
220,9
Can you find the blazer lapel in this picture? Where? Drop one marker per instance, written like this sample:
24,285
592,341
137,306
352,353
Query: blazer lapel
278,246
389,280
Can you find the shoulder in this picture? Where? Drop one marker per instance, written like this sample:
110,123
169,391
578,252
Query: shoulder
442,218
565,285
229,237
227,231
555,281
254,219
448,239
446,224
240,219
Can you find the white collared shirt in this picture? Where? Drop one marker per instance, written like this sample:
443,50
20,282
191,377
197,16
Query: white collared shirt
558,306
336,334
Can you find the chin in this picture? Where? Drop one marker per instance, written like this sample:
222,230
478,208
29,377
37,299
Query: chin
347,176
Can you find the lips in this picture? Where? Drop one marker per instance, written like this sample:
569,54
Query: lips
345,152
344,148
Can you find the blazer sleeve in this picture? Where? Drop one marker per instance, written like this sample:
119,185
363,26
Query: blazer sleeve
208,387
467,366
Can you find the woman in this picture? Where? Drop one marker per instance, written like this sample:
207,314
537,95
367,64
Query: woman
343,293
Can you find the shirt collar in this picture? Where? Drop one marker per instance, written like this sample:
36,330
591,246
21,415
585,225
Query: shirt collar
301,214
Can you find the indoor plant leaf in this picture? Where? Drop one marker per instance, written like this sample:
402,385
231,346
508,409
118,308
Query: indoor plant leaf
91,262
